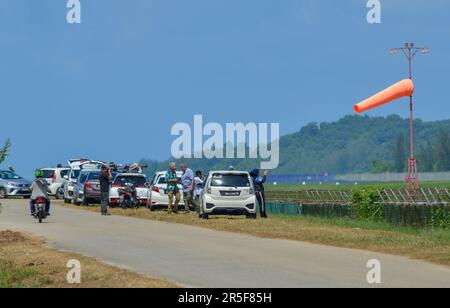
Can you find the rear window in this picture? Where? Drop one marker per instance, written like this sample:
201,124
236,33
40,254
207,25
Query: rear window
64,173
48,174
162,180
74,174
135,180
94,176
230,180
83,177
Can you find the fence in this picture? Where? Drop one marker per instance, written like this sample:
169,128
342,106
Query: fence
430,208
426,196
392,177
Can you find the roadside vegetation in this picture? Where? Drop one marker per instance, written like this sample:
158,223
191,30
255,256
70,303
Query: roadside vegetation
431,245
4,150
26,262
352,186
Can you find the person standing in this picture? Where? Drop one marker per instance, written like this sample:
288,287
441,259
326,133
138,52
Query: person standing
198,189
172,188
258,182
187,181
105,177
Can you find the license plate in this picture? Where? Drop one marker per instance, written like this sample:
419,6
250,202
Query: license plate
231,193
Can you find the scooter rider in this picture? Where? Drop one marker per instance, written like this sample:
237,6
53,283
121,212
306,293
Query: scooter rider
39,189
258,182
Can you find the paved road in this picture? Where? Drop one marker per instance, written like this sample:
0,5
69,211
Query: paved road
197,257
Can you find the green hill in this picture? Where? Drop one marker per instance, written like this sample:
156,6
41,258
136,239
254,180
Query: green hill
350,145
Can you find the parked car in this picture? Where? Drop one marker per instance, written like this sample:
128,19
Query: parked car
228,193
121,179
12,185
76,165
87,188
157,197
55,178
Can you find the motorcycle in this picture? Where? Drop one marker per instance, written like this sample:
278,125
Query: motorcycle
128,197
40,213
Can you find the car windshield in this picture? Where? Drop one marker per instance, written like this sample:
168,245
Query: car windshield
8,175
230,180
135,180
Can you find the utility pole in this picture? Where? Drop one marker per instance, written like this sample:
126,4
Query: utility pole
412,178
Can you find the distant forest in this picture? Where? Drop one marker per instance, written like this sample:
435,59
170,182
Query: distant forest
353,144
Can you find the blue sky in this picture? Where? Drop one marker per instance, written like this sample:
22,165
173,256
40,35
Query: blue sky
132,69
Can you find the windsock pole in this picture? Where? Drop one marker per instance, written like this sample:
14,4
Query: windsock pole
412,178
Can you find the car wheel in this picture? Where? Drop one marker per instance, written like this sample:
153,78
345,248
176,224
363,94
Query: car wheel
3,194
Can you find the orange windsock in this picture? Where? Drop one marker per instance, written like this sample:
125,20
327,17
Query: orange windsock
396,91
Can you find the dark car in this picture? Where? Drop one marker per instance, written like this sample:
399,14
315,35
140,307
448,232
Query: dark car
87,188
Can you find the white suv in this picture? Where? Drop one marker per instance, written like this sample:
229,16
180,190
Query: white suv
157,195
228,193
55,178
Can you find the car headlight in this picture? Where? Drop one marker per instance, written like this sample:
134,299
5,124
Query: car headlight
12,184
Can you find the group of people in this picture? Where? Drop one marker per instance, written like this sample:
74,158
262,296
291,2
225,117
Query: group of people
192,186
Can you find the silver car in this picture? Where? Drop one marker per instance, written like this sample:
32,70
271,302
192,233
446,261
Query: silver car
13,185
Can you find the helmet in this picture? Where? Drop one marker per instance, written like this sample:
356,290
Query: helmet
39,173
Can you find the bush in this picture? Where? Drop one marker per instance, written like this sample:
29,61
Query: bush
366,204
440,217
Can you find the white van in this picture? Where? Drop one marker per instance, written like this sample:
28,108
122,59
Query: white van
228,193
55,178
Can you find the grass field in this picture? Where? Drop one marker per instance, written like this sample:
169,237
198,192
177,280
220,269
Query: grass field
350,186
429,245
26,262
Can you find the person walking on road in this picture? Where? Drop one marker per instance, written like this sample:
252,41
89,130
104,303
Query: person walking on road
258,182
105,178
172,188
187,181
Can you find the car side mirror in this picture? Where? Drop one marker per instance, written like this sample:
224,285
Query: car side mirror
147,184
65,177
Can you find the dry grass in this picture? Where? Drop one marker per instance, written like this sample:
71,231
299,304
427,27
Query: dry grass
27,262
428,245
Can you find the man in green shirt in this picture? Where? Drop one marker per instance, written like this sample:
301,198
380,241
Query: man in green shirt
172,188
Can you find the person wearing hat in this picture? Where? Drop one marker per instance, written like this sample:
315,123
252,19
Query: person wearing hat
258,183
105,177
